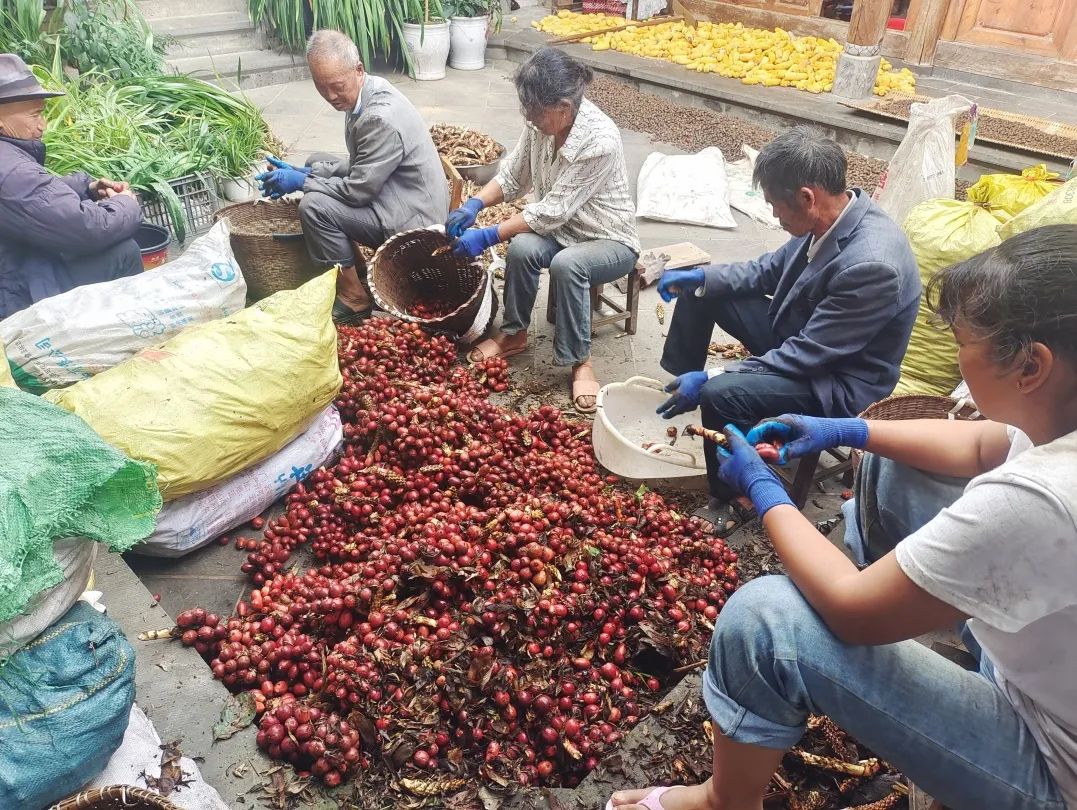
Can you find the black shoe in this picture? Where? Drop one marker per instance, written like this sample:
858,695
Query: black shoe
343,315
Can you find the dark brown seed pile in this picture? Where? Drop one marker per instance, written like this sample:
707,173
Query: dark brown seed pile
1000,130
692,128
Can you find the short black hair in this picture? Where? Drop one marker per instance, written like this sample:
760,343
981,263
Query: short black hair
1021,292
800,157
549,77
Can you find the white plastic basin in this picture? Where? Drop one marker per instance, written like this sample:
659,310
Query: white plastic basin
625,420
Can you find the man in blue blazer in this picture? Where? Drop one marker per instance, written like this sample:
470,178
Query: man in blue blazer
826,316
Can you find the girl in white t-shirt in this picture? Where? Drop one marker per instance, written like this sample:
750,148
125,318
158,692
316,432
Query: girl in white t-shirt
834,639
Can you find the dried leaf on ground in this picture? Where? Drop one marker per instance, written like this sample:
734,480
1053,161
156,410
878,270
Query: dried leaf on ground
237,714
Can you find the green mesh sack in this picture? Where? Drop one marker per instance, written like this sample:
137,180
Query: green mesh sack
60,479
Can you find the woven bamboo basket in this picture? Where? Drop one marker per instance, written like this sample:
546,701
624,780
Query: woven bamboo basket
405,270
917,406
115,797
920,406
267,240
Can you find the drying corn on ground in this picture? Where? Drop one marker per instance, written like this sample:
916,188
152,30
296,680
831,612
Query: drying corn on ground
753,55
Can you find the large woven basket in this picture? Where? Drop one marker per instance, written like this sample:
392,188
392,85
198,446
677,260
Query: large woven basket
920,406
267,240
116,797
917,406
405,271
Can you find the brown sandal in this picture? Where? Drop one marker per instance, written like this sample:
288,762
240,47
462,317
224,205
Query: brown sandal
585,388
489,349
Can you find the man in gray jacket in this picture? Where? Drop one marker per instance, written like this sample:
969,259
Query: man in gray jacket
391,181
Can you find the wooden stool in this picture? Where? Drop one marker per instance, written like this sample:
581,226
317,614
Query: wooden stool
811,471
628,313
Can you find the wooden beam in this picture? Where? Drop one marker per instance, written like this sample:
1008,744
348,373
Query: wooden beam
601,31
868,22
925,33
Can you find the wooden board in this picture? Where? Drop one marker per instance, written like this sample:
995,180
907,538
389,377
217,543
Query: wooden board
681,254
1044,125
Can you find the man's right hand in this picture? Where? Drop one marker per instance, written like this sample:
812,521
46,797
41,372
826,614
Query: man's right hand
463,217
686,391
803,435
680,282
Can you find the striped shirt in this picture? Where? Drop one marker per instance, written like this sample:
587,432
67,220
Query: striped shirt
582,188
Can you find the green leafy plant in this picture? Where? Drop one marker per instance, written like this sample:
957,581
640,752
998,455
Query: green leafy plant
150,130
376,26
21,30
476,8
110,37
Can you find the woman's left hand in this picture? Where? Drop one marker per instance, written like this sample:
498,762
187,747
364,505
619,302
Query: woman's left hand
740,466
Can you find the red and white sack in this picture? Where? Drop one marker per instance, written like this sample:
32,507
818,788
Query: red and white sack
194,520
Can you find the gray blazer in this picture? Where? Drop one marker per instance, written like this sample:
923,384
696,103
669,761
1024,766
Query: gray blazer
844,318
392,164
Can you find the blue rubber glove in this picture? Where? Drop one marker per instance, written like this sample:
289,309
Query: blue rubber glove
463,217
276,162
742,468
474,241
680,282
277,183
685,390
804,435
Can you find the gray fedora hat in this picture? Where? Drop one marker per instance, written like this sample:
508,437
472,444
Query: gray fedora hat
17,83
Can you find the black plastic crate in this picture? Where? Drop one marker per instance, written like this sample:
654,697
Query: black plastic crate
198,198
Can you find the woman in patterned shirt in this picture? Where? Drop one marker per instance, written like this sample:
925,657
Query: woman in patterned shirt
581,225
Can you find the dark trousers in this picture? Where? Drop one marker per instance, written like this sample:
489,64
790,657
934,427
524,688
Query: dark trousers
738,398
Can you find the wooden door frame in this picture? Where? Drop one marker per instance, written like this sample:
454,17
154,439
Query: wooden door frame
1066,45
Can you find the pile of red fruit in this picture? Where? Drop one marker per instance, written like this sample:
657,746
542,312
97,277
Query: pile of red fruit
430,310
488,604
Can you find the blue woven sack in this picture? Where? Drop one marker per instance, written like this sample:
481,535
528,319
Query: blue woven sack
64,705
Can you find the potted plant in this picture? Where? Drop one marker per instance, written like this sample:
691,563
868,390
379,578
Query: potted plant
428,42
469,24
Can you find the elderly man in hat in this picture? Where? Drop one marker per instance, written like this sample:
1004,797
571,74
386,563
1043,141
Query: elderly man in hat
391,181
56,233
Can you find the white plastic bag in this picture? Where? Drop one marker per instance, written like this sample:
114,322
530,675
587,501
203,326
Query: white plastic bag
192,521
75,556
139,755
743,194
73,336
685,188
923,165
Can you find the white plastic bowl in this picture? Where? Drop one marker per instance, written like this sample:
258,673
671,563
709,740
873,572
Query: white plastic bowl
625,420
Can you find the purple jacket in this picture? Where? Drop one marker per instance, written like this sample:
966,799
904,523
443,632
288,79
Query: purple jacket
47,222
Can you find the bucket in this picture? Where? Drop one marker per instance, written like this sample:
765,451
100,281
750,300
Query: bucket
429,46
467,43
153,242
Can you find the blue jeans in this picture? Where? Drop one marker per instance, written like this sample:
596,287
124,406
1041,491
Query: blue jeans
573,271
773,662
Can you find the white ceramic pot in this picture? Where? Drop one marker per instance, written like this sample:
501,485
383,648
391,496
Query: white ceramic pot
467,36
429,46
238,189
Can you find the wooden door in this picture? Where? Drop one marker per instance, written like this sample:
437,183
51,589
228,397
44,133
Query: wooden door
1042,27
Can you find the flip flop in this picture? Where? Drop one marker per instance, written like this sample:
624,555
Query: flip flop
585,388
652,801
484,353
726,518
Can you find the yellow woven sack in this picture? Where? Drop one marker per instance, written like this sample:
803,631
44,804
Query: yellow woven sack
942,233
219,396
1057,208
1013,193
5,370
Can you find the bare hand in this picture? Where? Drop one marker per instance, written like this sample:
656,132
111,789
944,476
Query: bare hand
109,193
105,189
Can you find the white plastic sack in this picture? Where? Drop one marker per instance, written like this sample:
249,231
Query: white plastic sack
192,521
743,194
923,165
73,336
75,556
645,9
685,188
139,755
